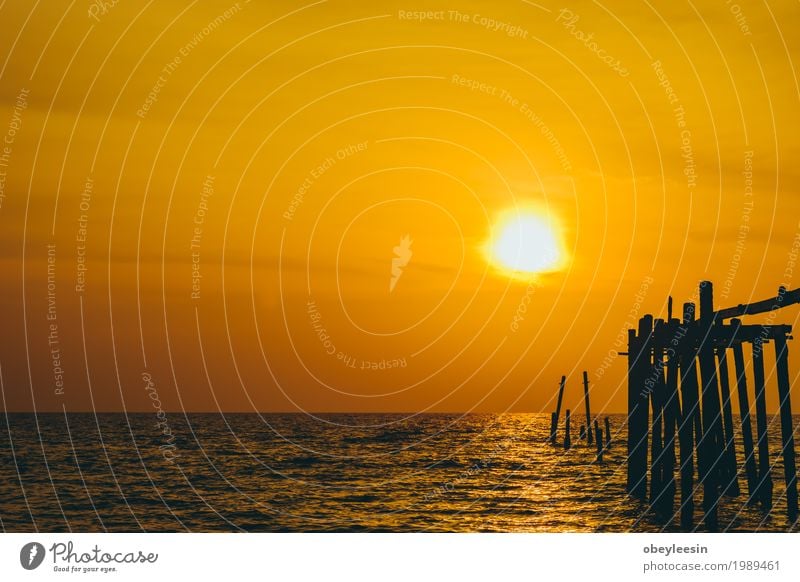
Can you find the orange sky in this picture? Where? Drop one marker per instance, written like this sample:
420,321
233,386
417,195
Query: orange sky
282,150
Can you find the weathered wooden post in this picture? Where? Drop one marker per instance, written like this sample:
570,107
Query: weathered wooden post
608,433
638,407
764,488
586,400
710,446
690,426
655,386
689,313
554,425
582,432
744,416
787,431
567,437
672,415
730,486
598,433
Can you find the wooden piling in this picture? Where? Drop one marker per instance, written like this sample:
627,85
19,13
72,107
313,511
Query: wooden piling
638,407
588,412
764,487
744,417
787,430
598,433
554,426
689,424
567,437
672,414
608,433
582,432
711,445
689,313
655,386
730,484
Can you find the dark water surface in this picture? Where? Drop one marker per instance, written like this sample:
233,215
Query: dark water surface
339,472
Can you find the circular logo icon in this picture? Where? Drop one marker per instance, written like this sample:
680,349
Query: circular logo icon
31,555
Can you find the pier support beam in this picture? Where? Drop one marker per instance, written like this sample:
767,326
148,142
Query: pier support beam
588,410
744,414
557,414
690,427
787,430
639,362
730,483
710,446
764,487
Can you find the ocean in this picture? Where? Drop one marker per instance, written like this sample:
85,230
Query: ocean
326,473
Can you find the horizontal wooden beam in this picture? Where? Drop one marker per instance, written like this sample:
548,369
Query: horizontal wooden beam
719,334
784,298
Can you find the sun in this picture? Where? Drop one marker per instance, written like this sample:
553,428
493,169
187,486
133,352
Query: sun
525,242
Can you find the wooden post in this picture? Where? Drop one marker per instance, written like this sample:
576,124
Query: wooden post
744,414
764,487
586,400
554,426
567,438
730,486
710,446
787,431
560,396
608,433
582,432
672,415
638,409
689,313
690,415
655,386
598,433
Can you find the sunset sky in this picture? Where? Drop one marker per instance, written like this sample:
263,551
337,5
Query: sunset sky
226,186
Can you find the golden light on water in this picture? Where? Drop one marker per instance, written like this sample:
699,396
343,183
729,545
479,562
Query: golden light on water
524,242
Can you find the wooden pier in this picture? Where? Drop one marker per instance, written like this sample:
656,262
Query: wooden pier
679,384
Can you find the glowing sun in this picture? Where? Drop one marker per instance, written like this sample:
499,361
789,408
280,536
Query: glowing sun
525,242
